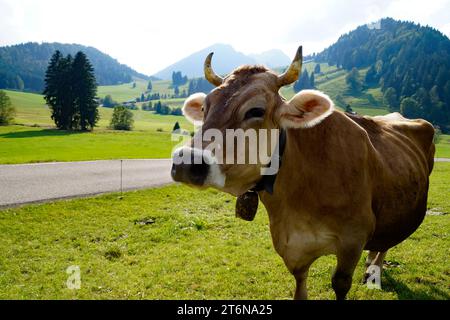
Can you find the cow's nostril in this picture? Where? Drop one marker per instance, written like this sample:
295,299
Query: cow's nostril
199,172
194,171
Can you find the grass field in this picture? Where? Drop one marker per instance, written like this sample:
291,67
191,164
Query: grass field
180,243
24,145
32,111
126,92
21,144
443,146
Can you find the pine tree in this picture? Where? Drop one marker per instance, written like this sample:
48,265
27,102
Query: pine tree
176,127
371,76
317,68
85,92
304,82
312,81
70,91
390,98
353,80
149,86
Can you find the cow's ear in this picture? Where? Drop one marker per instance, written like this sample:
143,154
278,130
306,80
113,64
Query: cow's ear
306,109
193,107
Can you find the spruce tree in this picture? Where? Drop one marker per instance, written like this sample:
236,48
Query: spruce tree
70,92
51,95
58,91
176,127
149,86
312,84
317,68
85,92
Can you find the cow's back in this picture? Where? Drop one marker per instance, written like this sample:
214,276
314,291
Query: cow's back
402,160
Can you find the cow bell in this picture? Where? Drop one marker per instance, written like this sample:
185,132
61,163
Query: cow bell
247,205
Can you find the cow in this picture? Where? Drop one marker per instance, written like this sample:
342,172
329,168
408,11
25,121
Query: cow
347,183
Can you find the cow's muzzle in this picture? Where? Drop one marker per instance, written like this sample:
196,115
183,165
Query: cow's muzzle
196,167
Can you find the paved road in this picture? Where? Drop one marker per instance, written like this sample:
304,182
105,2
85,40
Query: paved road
27,183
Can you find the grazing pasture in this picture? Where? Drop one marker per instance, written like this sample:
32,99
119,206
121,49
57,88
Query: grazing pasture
126,92
180,243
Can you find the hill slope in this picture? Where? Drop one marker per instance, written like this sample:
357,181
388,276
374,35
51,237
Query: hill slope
410,63
22,67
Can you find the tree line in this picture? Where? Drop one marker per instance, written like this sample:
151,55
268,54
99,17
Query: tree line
22,66
410,63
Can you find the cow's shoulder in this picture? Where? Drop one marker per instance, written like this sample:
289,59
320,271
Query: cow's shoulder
418,131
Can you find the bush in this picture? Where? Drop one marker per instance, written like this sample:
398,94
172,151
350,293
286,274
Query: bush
7,111
122,119
437,135
108,102
176,112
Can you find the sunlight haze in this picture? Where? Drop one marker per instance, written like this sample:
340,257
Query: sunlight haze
149,35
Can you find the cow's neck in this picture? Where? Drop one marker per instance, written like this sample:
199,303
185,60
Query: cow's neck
304,148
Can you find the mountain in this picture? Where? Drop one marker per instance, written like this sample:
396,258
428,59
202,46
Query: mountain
226,58
273,58
22,67
409,62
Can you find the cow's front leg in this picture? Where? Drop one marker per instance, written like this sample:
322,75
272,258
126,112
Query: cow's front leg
347,259
301,274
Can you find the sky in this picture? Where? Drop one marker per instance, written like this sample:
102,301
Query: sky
150,35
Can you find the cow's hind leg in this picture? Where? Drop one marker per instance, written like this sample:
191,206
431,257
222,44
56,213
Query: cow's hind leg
375,258
347,259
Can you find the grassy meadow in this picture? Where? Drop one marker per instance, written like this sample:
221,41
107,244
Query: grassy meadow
34,139
126,92
25,145
179,243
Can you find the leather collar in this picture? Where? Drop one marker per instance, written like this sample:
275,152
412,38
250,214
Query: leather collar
267,182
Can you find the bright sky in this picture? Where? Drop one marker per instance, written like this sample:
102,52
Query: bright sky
149,35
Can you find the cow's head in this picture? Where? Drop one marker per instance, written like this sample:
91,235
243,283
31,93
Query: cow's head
246,99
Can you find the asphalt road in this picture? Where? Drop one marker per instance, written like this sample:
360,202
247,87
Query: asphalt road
28,183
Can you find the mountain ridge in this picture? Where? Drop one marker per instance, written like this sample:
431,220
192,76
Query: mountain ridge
226,58
22,66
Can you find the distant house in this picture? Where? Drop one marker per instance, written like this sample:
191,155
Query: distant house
130,103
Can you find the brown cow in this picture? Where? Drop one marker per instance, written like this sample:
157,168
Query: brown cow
347,183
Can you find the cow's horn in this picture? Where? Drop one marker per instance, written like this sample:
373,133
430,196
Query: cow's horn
293,72
210,75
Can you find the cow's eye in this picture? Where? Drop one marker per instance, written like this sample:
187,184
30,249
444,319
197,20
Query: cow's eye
254,113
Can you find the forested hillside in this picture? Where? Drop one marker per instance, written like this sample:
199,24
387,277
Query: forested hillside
22,67
410,63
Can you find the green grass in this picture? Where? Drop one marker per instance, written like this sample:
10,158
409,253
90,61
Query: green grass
24,145
36,140
180,243
126,92
443,146
32,111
